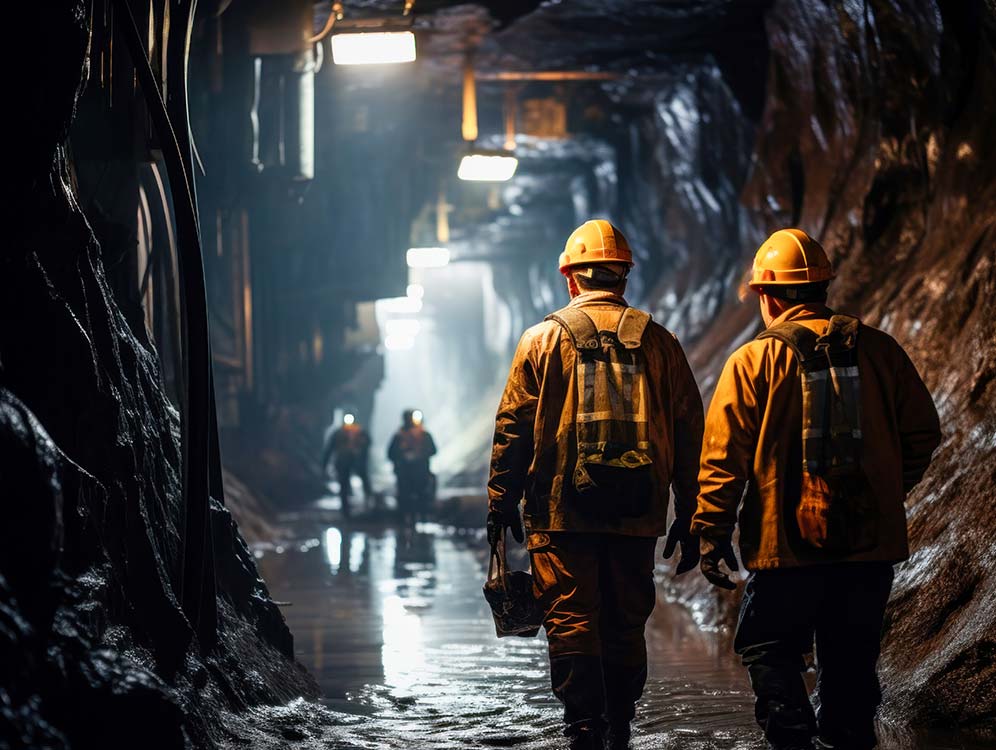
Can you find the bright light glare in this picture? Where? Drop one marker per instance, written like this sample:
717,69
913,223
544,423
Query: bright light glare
373,48
417,416
399,343
487,168
402,328
333,547
428,257
415,291
348,419
400,305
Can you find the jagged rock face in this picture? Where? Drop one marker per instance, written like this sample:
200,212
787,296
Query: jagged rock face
874,138
94,646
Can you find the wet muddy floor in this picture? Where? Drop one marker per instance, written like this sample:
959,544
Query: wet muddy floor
392,624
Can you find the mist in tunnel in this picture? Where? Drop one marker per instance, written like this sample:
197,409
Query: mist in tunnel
226,237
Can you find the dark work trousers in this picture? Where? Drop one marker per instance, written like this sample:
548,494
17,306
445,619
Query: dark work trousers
344,471
841,606
598,592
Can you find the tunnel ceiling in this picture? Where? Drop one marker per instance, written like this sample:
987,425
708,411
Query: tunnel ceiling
627,37
647,46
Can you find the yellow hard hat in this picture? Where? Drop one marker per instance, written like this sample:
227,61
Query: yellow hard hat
789,257
595,242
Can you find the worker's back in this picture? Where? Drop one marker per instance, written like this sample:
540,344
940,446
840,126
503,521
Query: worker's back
662,395
898,431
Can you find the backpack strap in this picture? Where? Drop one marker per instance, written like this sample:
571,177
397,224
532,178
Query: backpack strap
840,336
580,327
801,340
631,326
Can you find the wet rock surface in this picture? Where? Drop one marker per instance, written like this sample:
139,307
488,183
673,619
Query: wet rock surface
95,649
876,121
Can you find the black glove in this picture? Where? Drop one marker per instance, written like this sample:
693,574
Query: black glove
498,522
714,551
679,534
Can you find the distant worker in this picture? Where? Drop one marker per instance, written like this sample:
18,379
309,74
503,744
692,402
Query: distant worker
348,448
828,425
600,417
410,450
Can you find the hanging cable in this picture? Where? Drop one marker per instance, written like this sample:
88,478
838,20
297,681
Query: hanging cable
197,562
335,14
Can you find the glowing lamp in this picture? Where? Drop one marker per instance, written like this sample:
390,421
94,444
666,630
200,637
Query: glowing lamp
399,343
484,166
400,305
428,257
348,419
373,47
400,328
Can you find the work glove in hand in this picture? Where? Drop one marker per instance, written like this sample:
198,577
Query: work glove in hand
498,522
714,552
679,534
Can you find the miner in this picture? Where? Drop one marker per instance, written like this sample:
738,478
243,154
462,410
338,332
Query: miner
599,419
410,450
826,424
348,449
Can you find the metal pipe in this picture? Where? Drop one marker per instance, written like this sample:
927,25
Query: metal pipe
469,126
547,75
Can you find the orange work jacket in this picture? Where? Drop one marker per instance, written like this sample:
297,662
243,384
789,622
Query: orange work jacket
753,440
535,443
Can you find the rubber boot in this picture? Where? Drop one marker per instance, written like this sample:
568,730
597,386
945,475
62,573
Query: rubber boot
584,735
617,736
577,682
623,688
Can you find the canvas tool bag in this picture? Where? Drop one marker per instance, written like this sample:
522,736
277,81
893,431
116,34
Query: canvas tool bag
613,476
835,513
510,595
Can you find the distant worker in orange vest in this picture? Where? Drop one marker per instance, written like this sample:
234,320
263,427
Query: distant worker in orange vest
827,425
410,450
600,419
348,448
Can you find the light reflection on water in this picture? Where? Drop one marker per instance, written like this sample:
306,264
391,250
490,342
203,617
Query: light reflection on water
393,626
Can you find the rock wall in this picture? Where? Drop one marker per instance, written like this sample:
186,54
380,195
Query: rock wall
876,138
95,650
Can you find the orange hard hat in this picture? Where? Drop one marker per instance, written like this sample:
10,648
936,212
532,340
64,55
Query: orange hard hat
789,257
595,242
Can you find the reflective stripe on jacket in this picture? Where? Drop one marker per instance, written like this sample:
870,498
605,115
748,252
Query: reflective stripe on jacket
535,445
753,439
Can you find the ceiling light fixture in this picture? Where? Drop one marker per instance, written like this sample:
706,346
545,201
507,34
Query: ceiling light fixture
369,41
399,343
400,305
373,47
487,166
428,257
480,165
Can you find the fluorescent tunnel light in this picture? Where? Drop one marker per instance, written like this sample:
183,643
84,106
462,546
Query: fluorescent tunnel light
402,327
399,343
428,257
373,48
487,167
400,305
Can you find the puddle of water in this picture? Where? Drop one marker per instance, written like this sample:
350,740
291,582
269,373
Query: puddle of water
393,626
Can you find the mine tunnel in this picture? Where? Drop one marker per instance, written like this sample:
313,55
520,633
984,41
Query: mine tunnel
254,238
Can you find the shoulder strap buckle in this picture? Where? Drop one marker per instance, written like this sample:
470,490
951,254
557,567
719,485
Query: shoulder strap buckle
800,339
579,326
631,326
